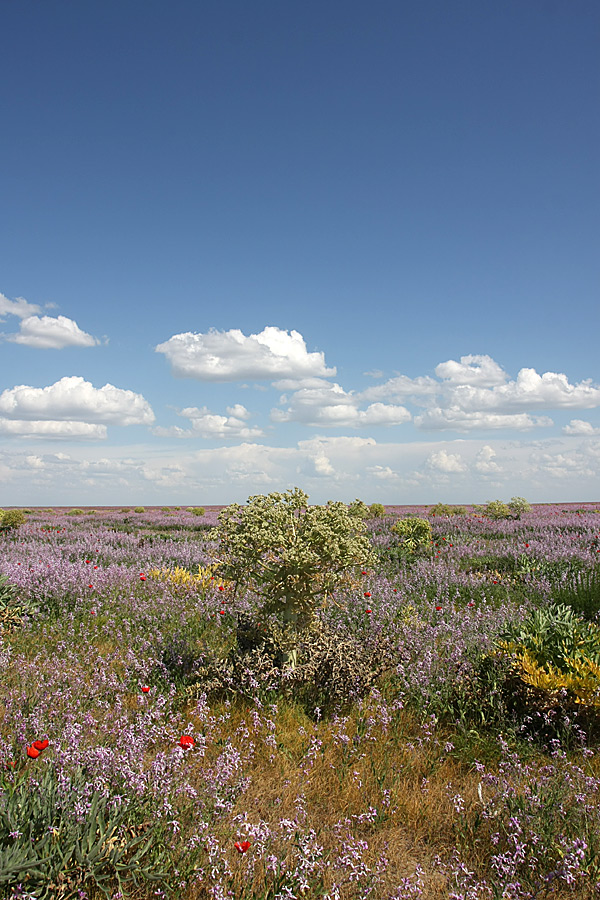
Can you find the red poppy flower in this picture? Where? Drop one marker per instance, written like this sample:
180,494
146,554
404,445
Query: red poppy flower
186,742
40,745
367,594
242,846
527,545
368,610
221,588
438,608
363,573
90,585
145,689
92,611
32,752
221,612
142,576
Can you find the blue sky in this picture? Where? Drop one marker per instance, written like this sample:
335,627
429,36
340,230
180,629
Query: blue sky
347,246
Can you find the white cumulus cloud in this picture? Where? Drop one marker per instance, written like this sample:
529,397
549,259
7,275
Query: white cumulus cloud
206,424
49,333
74,399
456,419
52,429
446,462
482,371
327,404
578,426
19,307
232,356
485,460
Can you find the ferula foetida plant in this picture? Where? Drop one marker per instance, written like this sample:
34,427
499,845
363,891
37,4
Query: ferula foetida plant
291,555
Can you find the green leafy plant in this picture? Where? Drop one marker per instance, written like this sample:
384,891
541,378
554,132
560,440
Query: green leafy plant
12,519
359,509
518,506
45,844
376,510
75,512
496,509
556,657
441,509
197,510
581,591
414,534
292,556
139,509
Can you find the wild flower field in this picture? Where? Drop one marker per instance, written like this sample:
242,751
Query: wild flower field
438,737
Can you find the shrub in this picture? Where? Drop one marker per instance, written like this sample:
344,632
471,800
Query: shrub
518,506
441,509
556,658
376,510
198,510
125,509
75,512
415,534
13,518
139,509
358,508
292,556
496,509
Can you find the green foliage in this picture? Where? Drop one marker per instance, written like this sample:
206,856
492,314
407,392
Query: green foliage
75,512
496,509
7,591
126,509
292,556
556,661
376,510
553,635
518,506
139,509
359,509
45,845
12,611
441,509
415,534
13,518
581,591
197,510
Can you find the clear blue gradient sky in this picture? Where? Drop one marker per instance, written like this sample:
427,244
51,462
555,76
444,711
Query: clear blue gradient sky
349,246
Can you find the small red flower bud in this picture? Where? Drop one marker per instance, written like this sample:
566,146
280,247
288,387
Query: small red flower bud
145,689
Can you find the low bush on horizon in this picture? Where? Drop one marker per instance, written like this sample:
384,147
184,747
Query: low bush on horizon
289,701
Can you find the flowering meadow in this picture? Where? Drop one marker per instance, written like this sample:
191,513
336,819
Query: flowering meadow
437,738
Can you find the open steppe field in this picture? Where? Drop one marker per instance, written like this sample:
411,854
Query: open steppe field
434,734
